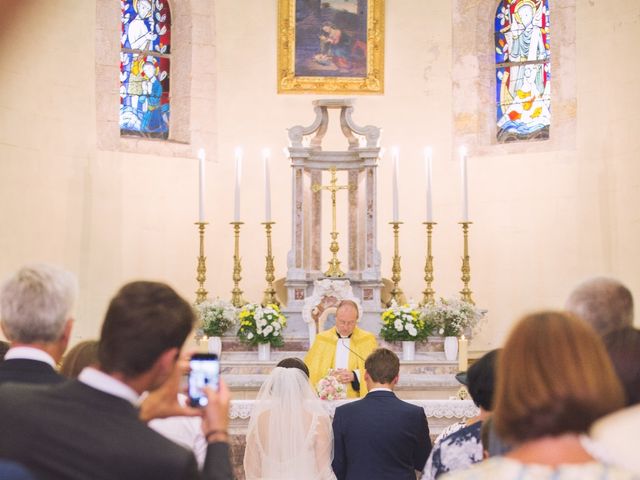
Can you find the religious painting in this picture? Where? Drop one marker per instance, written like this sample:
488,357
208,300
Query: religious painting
523,70
331,46
145,44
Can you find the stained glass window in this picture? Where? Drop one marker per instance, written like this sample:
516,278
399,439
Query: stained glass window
523,73
145,45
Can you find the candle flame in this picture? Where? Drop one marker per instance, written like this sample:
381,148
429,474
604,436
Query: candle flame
238,152
463,151
201,154
428,151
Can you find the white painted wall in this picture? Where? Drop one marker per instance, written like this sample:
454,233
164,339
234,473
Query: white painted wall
542,221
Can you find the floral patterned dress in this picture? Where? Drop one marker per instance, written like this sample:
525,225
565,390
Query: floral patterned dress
457,451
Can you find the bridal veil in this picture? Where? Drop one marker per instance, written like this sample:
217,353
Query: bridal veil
289,434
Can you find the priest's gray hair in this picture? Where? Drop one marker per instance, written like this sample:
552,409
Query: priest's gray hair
604,303
36,302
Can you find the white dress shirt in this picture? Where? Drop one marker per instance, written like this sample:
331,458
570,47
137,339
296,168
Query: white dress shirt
30,353
107,384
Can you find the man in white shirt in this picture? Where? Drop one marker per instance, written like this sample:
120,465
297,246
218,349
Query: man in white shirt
36,317
91,427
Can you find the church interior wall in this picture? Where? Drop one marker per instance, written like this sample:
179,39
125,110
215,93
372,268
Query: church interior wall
544,219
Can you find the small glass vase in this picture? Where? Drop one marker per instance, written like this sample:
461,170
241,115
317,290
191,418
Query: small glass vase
264,352
408,350
451,348
214,345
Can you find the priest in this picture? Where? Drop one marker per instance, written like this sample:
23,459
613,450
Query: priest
342,348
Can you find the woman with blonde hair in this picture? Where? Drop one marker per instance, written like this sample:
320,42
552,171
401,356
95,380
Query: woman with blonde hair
554,379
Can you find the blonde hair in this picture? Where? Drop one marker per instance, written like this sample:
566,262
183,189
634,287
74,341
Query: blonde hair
554,377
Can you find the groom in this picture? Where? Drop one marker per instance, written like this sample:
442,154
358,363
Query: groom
380,436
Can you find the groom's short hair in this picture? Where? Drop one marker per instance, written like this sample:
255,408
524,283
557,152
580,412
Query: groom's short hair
382,365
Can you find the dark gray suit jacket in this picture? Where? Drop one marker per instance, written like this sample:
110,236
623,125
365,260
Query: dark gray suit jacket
22,370
380,437
74,432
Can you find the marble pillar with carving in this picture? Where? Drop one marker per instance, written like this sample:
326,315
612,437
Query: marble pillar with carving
359,255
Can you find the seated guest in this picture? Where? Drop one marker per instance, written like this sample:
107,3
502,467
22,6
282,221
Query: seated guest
612,435
604,303
35,312
380,437
554,379
84,354
344,349
4,348
91,427
463,447
624,350
289,434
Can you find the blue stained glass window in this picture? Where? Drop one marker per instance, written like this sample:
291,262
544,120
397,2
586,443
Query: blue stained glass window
523,70
144,68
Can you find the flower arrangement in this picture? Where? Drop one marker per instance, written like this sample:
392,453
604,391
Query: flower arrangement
260,324
329,388
451,317
216,317
403,323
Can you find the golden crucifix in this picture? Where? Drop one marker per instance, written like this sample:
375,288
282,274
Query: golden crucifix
334,263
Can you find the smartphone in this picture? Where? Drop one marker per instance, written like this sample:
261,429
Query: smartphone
205,372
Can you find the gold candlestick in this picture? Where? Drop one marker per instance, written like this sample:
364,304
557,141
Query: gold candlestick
236,293
396,292
270,292
465,293
428,294
201,277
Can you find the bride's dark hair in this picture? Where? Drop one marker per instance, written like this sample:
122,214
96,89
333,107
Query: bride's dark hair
293,362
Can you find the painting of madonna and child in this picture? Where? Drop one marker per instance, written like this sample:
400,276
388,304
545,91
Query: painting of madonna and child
331,38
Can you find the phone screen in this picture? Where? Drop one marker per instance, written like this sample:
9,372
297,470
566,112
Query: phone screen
205,372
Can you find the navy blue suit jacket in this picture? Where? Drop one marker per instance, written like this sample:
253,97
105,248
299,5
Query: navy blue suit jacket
380,437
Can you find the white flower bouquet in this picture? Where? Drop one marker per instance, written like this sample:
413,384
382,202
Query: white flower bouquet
402,323
216,317
329,388
260,324
452,316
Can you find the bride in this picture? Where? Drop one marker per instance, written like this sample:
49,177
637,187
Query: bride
289,435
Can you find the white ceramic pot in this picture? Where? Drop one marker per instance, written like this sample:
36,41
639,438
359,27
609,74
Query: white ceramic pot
451,348
264,352
214,345
408,350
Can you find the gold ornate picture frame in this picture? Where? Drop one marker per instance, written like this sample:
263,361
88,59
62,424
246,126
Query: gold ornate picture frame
331,46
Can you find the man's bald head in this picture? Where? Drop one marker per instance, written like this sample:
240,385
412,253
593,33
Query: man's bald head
604,303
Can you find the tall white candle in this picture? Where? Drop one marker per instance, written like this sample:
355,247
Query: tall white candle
201,159
428,154
463,354
236,209
465,189
395,156
266,154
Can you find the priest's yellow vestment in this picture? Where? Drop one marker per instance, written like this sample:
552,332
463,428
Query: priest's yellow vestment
322,354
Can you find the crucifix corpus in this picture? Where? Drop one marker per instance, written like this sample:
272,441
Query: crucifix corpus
334,263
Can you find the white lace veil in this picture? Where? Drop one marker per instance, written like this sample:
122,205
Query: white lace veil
289,434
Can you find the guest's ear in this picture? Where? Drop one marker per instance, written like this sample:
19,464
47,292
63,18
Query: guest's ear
395,380
167,361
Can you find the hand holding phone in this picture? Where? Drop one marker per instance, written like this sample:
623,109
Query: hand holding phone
205,372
